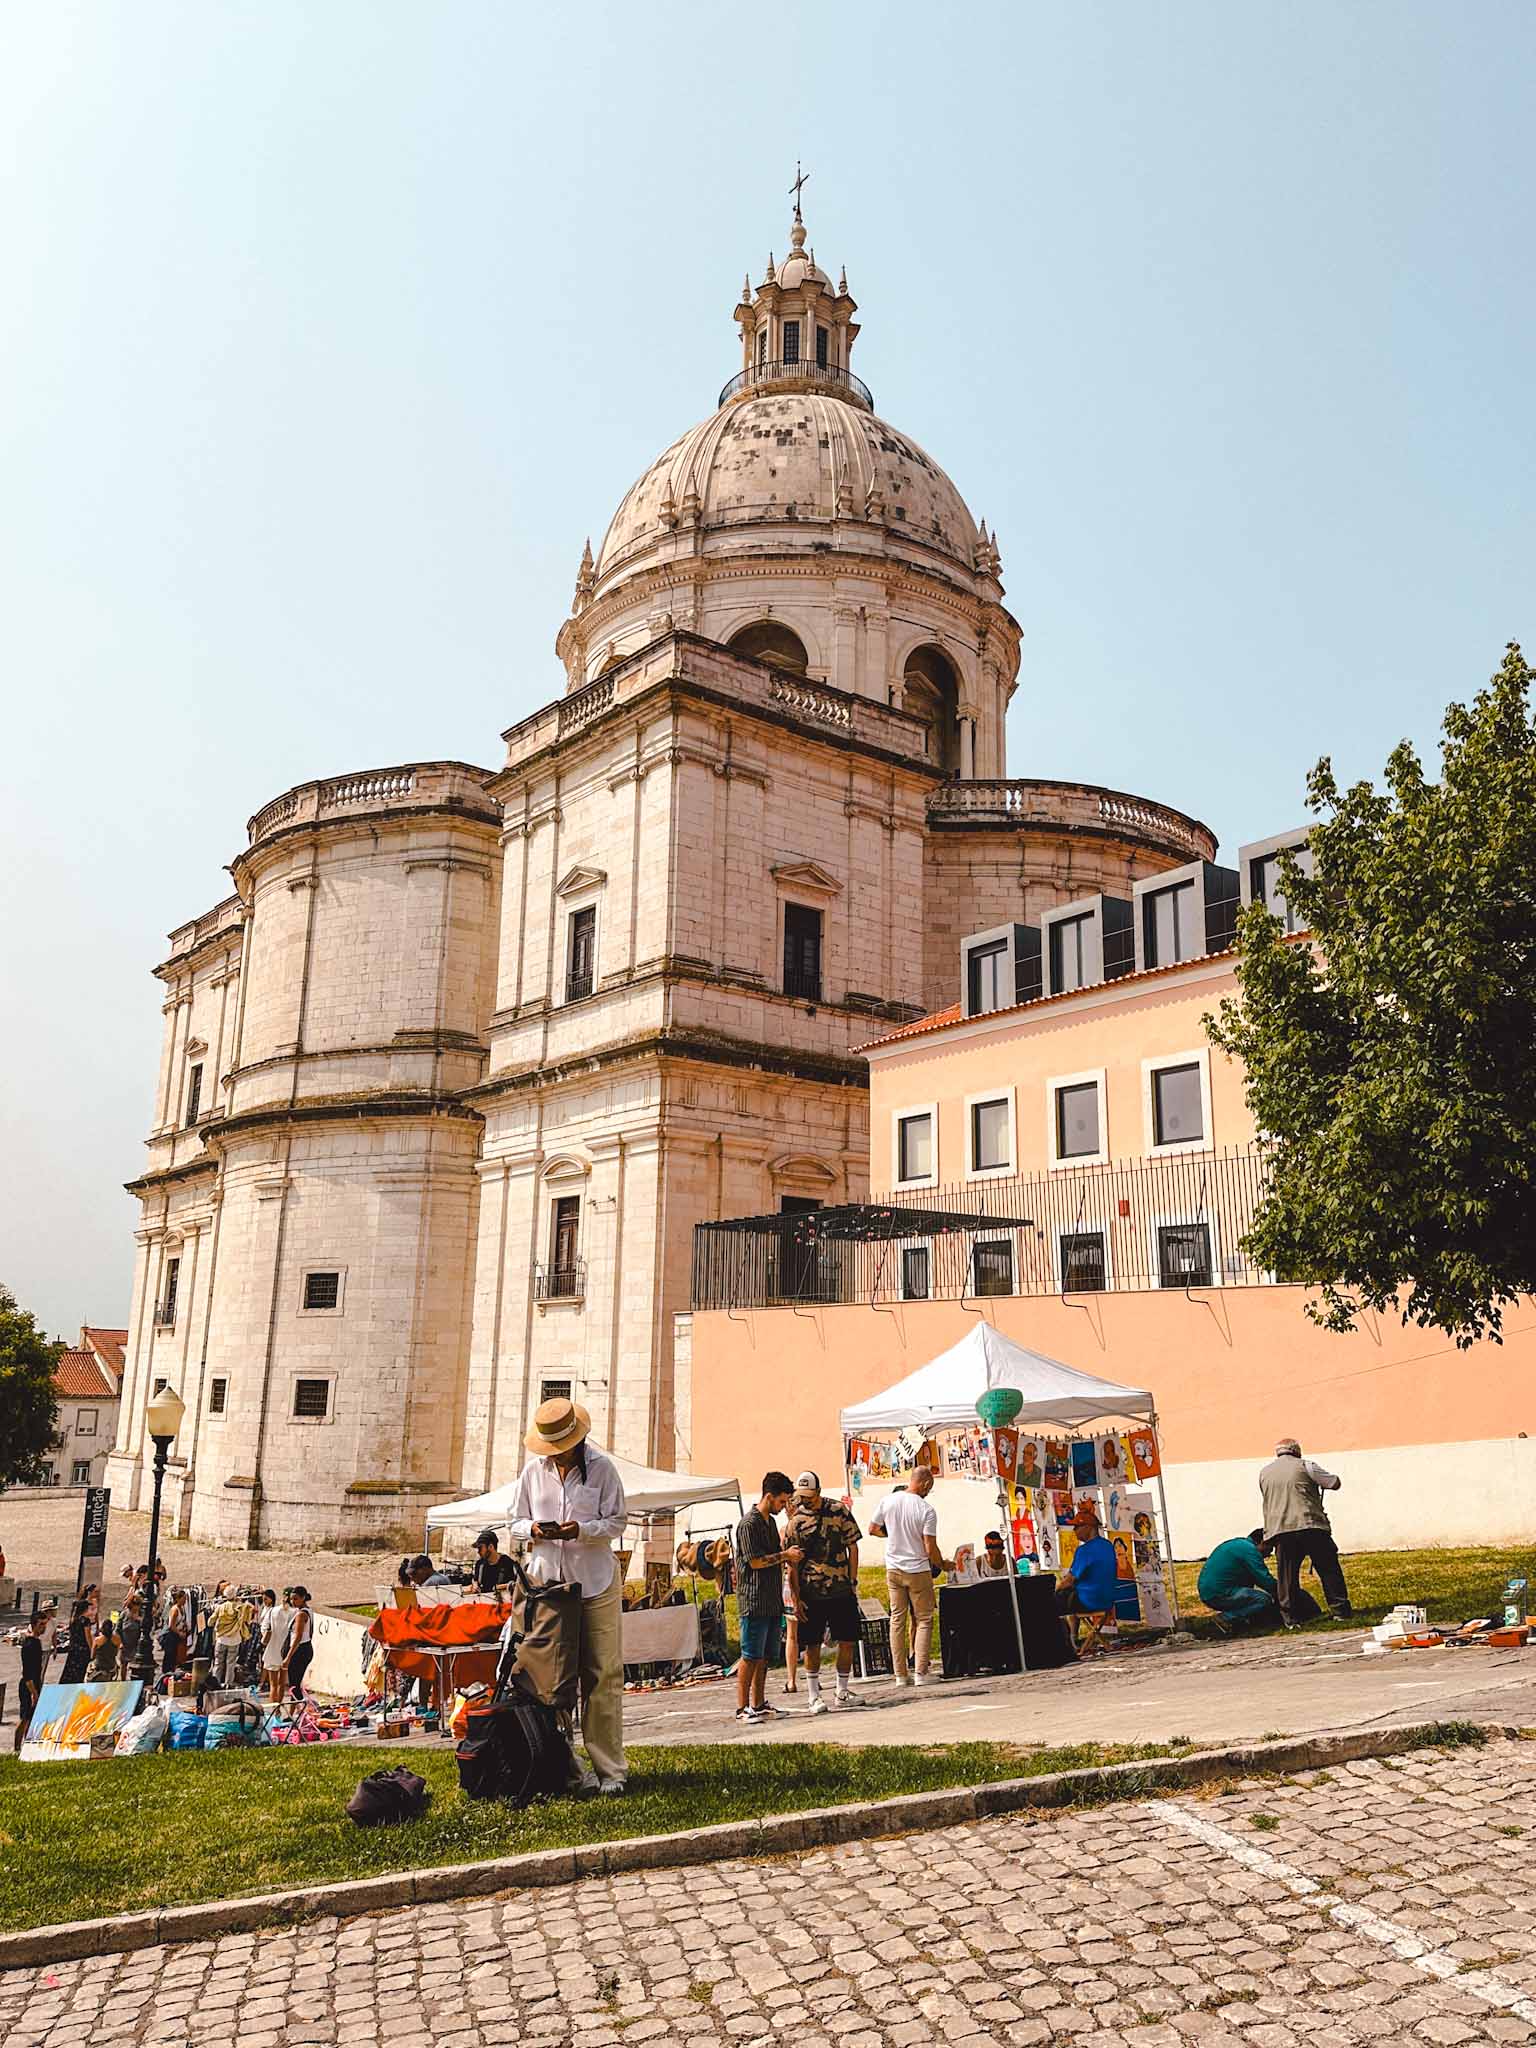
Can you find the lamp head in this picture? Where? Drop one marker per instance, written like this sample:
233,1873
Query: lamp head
164,1414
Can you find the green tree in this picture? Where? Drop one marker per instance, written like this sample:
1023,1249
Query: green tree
28,1410
1391,1065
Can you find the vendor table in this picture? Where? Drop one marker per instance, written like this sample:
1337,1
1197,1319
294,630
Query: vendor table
976,1631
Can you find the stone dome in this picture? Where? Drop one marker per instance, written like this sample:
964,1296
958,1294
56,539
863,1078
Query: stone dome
798,454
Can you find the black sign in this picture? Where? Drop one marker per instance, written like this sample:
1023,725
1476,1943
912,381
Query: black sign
93,1538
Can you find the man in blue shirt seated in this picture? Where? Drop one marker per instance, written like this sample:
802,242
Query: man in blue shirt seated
1235,1581
1090,1586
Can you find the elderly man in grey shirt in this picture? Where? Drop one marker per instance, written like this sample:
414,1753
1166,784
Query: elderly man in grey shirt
1296,1522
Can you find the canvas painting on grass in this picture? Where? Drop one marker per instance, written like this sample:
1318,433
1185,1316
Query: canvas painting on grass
68,1718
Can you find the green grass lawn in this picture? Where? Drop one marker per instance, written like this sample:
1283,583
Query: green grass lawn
78,1840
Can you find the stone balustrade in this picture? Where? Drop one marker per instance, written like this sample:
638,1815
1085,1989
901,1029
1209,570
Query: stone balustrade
1019,801
414,785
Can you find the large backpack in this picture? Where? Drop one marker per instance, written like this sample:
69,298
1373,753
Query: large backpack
515,1750
388,1796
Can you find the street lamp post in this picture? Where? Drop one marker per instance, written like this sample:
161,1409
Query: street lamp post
164,1419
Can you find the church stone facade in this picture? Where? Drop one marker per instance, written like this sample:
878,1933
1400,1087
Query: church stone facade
448,1080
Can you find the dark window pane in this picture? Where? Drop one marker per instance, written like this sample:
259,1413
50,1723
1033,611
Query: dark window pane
565,1230
194,1093
1070,952
1184,1255
914,1146
1170,925
1082,1262
322,1290
580,953
218,1394
555,1390
821,348
914,1273
762,346
992,1265
1177,1115
311,1399
791,341
985,974
802,952
989,1136
1077,1120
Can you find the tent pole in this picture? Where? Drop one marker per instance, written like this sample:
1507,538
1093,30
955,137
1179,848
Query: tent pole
1170,1576
1013,1572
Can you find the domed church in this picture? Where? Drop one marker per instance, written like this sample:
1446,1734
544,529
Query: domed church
448,1080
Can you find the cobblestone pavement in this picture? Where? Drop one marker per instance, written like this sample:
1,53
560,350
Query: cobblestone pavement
1388,1902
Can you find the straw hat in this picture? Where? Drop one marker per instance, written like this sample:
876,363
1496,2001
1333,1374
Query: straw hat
557,1426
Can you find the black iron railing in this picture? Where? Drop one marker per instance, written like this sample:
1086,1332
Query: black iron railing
1173,1222
840,383
567,1282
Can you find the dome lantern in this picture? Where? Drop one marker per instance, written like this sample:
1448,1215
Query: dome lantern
797,328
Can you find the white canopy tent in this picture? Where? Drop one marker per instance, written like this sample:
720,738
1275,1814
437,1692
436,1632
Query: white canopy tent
646,1490
943,1393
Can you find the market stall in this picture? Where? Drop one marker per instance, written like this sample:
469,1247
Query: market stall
1068,1436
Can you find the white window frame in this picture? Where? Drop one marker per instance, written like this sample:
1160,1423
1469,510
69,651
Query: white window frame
80,1472
1091,1226
312,1421
1175,1222
898,1118
589,899
917,1244
1003,1236
1006,1172
323,1266
1099,1079
1198,1056
80,1415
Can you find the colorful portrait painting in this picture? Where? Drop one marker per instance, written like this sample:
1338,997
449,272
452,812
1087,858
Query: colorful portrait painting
1085,1466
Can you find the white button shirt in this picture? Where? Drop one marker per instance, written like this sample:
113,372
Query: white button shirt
594,1502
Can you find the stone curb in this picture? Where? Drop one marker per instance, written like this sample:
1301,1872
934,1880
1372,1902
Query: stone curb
774,1835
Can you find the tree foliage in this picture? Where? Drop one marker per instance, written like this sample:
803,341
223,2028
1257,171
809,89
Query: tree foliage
28,1409
1391,1064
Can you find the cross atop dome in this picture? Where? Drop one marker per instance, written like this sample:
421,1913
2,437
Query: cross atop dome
797,327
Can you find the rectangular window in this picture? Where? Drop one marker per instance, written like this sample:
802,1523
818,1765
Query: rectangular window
564,1234
1169,931
555,1390
992,1267
914,1147
990,1146
85,1422
1184,1255
791,341
914,1273
821,348
1082,1262
158,1388
1071,952
1264,884
802,952
987,978
580,953
165,1311
762,346
218,1396
81,1475
1077,1121
311,1400
1178,1117
322,1290
194,1093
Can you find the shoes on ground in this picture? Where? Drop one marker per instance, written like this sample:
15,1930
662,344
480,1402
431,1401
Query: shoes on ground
904,1678
586,1785
919,1678
767,1713
612,1788
817,1706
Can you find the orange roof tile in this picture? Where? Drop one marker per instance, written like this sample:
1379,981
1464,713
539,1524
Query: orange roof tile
107,1344
81,1376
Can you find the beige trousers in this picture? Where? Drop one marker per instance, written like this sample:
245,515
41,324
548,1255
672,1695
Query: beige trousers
602,1681
911,1594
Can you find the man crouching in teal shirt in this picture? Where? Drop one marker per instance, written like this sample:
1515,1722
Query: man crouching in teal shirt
1235,1581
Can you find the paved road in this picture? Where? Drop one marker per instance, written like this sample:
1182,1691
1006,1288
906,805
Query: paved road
1389,1902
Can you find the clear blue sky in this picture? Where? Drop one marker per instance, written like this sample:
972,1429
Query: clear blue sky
329,331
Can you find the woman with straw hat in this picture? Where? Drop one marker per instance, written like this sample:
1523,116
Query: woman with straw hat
569,1508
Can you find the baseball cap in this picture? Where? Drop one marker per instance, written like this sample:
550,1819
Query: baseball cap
807,1483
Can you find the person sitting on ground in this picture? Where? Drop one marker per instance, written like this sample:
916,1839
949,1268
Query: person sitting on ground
1235,1581
910,1525
826,1583
492,1570
1089,1587
760,1561
993,1561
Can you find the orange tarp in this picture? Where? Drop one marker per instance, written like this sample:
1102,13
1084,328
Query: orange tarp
446,1626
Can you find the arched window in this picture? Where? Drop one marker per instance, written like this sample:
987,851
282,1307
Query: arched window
771,641
930,690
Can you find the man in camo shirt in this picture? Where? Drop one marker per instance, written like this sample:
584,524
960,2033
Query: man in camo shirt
826,1583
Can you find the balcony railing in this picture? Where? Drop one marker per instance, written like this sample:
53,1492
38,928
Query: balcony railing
1140,1224
567,1282
821,376
165,1315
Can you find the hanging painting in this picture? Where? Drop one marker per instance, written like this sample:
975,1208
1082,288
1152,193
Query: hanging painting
1085,1466
1058,1462
1031,1462
1145,1454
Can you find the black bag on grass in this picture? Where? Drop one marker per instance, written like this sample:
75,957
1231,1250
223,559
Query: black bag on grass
514,1750
387,1796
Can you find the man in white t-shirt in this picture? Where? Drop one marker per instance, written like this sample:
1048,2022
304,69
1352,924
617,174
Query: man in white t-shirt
910,1527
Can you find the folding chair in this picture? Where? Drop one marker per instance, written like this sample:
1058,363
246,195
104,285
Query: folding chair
1091,1638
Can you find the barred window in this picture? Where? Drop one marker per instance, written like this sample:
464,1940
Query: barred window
218,1396
322,1290
311,1400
